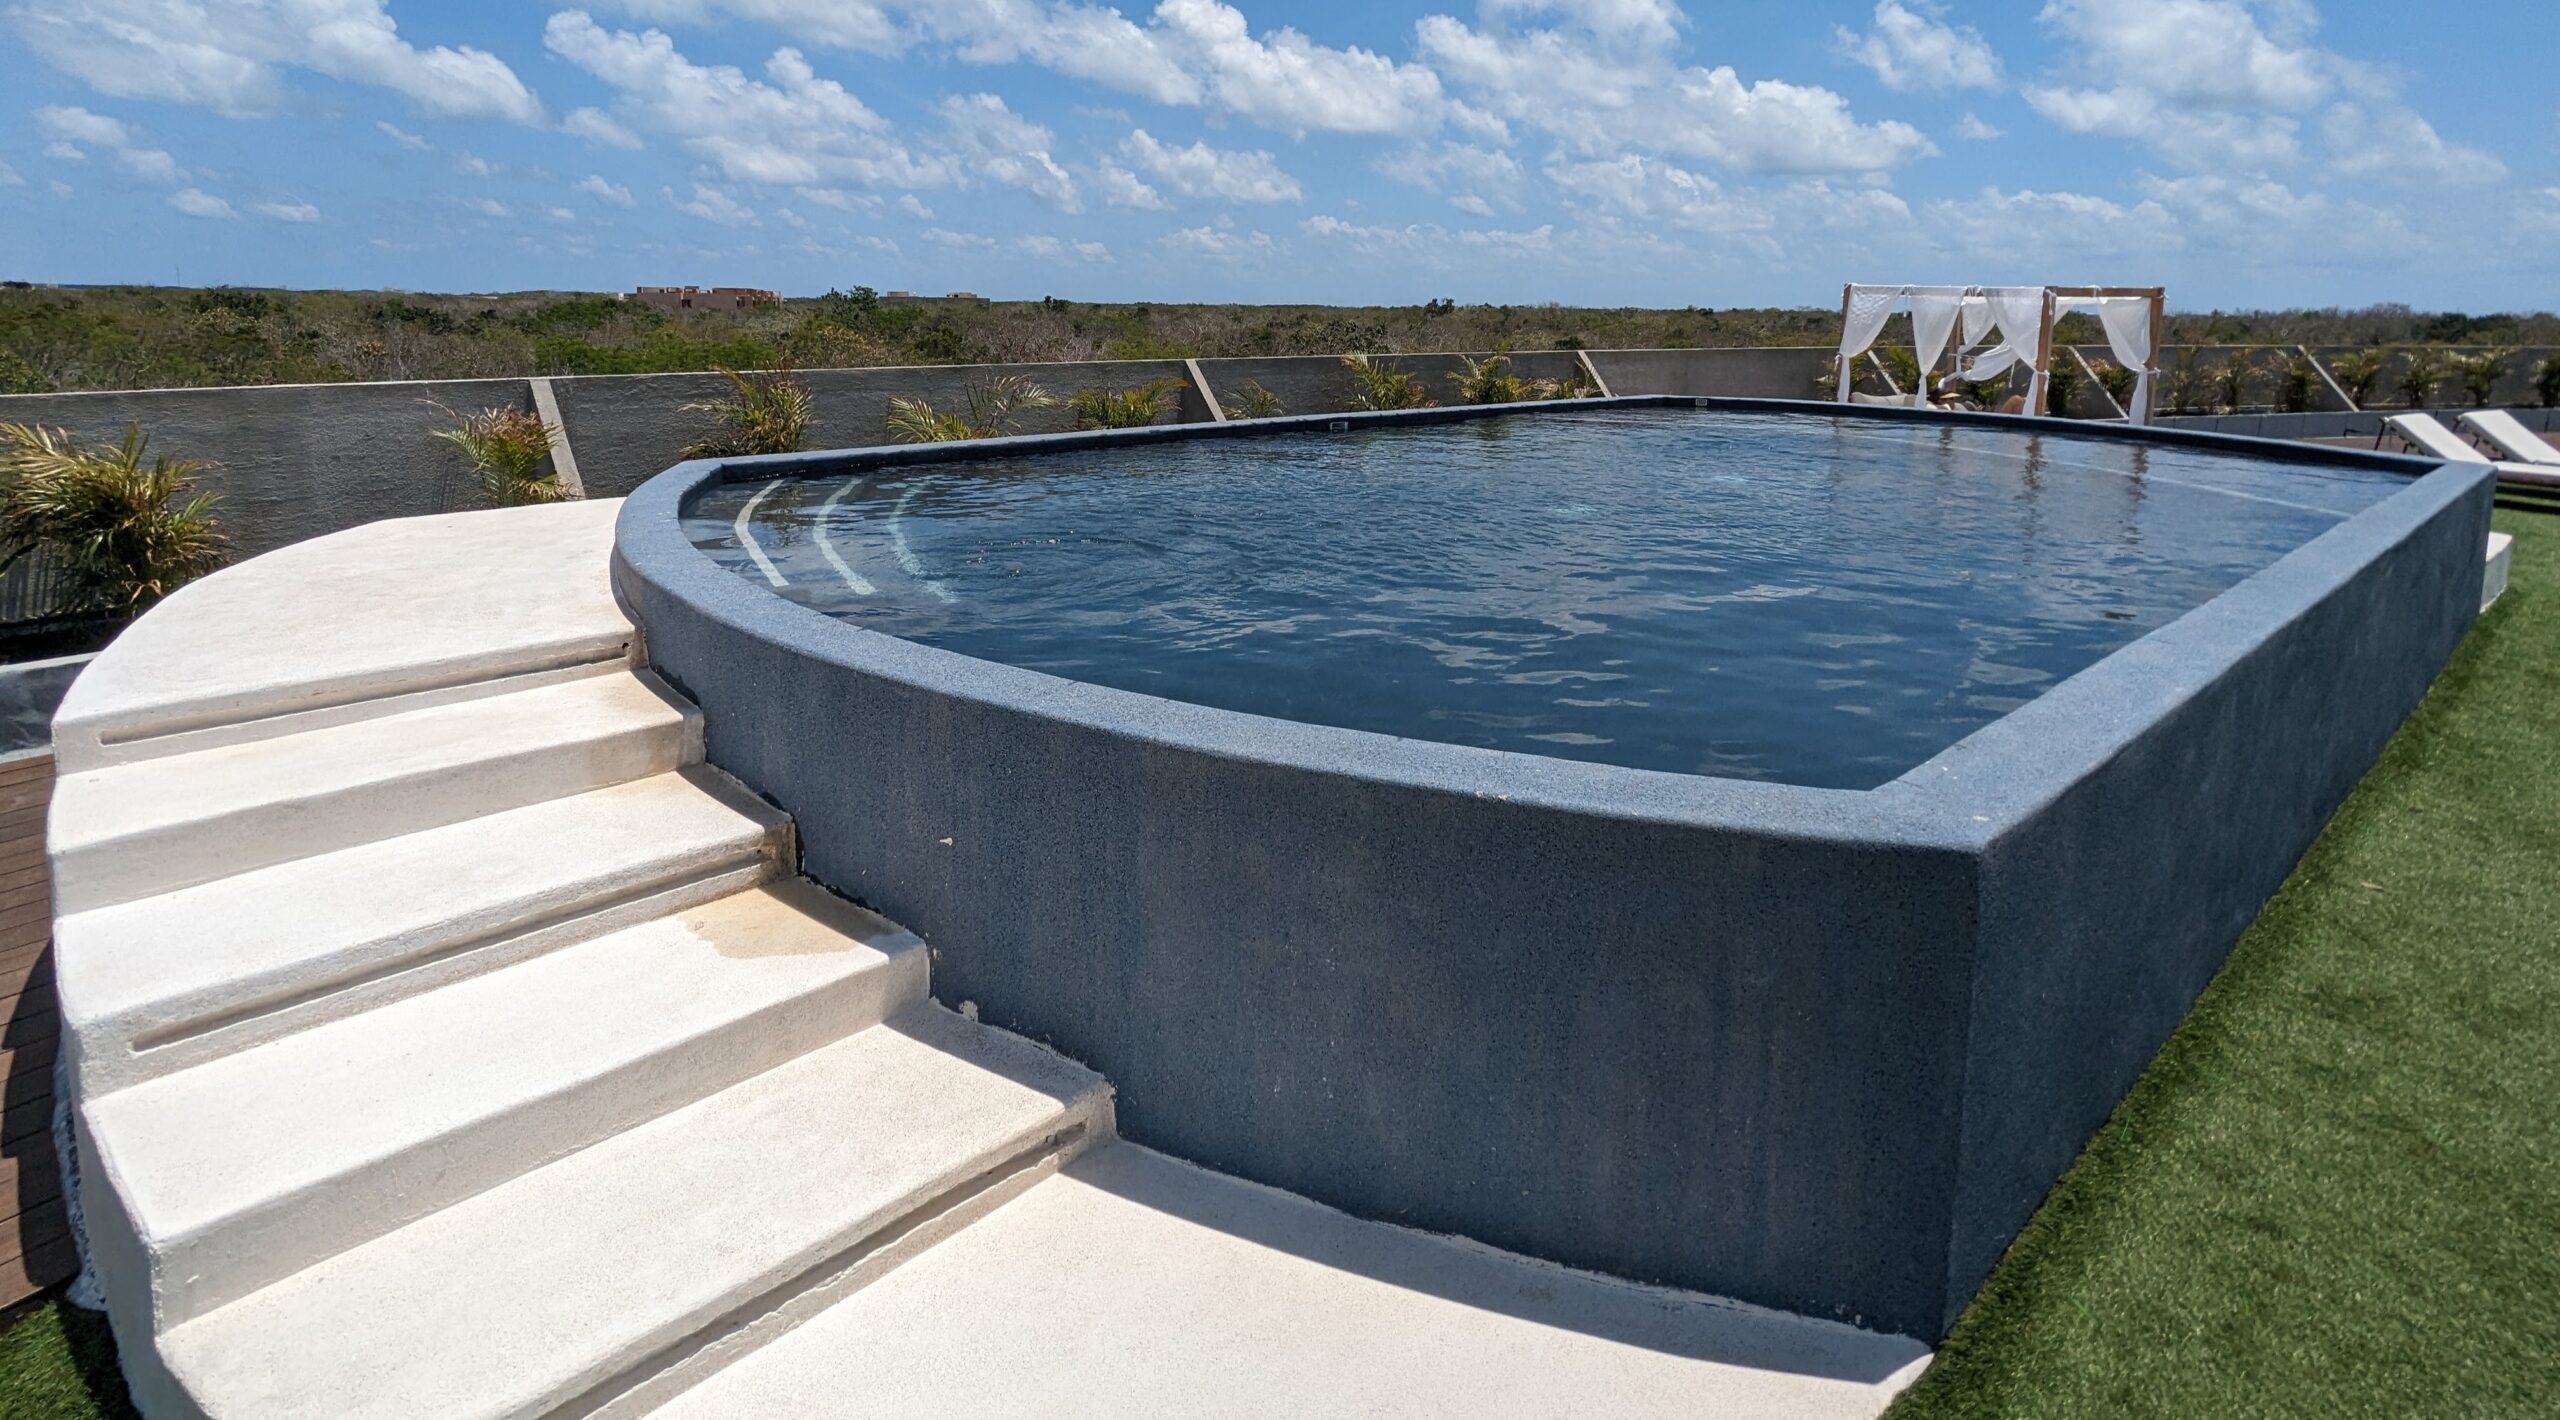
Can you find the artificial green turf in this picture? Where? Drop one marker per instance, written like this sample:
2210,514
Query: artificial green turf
59,1363
2336,1192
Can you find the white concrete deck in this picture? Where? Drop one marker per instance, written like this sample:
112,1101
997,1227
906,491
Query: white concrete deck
447,1040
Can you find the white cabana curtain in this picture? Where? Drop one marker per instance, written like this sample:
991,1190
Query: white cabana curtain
1869,308
1933,323
2018,312
1934,312
1973,315
2127,320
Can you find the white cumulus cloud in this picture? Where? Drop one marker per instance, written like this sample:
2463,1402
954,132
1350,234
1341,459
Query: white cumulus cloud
712,204
1198,170
1912,48
231,55
197,203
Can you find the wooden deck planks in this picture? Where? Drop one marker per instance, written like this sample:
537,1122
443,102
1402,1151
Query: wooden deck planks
35,1243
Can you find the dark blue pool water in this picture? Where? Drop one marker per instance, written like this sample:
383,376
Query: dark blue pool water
1813,601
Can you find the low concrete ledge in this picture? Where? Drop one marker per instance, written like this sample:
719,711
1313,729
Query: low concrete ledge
1815,1049
30,693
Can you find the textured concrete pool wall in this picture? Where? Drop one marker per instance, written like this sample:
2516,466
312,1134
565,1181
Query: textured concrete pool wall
1815,1049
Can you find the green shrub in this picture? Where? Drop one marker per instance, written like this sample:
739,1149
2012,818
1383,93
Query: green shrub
19,377
506,448
666,350
1147,347
127,534
767,412
580,314
2546,381
1132,408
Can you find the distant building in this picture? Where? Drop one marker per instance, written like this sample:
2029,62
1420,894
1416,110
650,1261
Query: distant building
964,296
898,295
696,298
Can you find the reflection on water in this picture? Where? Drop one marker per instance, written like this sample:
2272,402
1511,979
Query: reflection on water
1810,601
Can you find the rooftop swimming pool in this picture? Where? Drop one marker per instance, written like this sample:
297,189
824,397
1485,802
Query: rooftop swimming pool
1991,735
1826,603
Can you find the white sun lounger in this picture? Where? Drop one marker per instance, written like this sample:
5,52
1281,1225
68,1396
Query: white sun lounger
2431,438
2512,438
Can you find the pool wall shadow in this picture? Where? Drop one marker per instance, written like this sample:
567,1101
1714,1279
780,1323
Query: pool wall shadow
1814,1049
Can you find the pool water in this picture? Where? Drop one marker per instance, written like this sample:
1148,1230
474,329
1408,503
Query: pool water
1813,601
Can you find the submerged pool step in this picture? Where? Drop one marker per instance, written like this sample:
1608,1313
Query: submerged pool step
130,831
172,980
659,1254
248,1168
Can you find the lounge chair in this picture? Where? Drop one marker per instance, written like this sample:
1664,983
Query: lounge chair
2510,436
2424,433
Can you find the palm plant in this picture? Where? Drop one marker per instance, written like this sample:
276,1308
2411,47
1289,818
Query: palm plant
2296,384
2063,385
993,410
1575,385
1902,367
767,413
1252,401
2119,382
2479,375
2231,381
1491,380
127,534
2358,371
2420,377
1383,385
2546,381
2185,392
506,448
1132,408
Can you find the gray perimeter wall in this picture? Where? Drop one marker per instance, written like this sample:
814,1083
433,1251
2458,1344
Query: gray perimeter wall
292,462
295,461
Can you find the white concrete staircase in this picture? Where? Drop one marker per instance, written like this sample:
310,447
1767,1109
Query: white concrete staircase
449,1041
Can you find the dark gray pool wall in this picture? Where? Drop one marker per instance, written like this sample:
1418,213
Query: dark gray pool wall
1813,1049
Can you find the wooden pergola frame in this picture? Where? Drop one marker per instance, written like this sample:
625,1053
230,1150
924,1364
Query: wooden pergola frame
2041,381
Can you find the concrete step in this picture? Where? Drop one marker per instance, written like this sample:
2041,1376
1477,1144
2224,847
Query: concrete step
622,1271
132,830
392,615
167,982
1130,1284
249,1168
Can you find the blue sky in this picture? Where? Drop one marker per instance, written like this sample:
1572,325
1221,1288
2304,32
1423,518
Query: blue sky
2241,152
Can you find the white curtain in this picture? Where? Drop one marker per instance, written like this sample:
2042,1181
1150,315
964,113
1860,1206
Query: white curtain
2019,313
1869,308
1933,322
1978,325
2128,324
